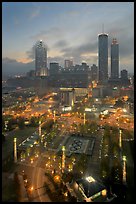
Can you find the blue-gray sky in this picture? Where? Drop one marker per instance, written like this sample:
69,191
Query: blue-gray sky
69,29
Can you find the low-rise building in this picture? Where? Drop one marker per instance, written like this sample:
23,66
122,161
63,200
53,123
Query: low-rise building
90,189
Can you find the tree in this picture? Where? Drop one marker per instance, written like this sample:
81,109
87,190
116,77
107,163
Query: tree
33,121
119,103
21,122
3,138
3,124
17,186
73,199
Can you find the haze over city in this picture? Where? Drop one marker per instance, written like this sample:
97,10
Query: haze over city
69,29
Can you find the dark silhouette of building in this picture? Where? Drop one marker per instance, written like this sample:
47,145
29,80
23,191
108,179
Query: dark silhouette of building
54,68
114,59
103,57
94,72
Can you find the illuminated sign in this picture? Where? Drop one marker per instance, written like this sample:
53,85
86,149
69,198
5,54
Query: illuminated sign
88,109
105,112
69,108
90,179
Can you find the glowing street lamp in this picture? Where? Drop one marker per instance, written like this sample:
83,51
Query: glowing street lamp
84,118
40,132
124,169
32,188
54,112
63,158
120,139
15,150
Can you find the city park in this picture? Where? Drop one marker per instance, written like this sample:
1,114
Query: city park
62,169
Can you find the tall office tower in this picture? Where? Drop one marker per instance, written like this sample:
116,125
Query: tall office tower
114,59
94,72
68,63
54,68
41,59
103,57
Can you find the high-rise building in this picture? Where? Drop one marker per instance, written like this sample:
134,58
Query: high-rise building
103,57
124,74
41,59
114,59
94,72
124,77
54,68
68,63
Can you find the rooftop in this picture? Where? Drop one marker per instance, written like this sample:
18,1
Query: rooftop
90,186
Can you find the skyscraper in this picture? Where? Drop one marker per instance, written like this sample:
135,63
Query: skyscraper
114,59
103,57
41,59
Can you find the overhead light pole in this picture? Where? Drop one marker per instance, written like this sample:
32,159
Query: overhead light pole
84,118
40,130
15,150
63,159
54,116
120,138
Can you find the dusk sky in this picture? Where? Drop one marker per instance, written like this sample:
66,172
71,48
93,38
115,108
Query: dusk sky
69,29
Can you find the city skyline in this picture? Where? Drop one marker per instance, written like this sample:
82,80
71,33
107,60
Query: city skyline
69,29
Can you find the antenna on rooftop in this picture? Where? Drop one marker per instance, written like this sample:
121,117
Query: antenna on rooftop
102,28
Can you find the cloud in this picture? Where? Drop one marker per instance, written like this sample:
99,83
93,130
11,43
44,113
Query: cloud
44,34
31,53
11,66
87,51
16,21
57,59
35,12
61,43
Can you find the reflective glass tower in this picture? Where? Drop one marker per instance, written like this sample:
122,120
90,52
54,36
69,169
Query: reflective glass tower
114,59
40,58
103,57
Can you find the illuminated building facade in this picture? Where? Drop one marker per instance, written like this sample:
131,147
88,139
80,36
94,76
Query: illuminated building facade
68,63
41,59
90,189
67,97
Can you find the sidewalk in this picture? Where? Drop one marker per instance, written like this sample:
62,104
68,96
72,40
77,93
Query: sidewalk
24,197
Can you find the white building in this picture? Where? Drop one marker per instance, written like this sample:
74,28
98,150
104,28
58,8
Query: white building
41,59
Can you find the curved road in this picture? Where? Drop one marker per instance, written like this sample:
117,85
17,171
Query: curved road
36,177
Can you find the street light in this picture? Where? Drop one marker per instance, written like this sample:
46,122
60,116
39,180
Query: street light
54,115
31,189
84,118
